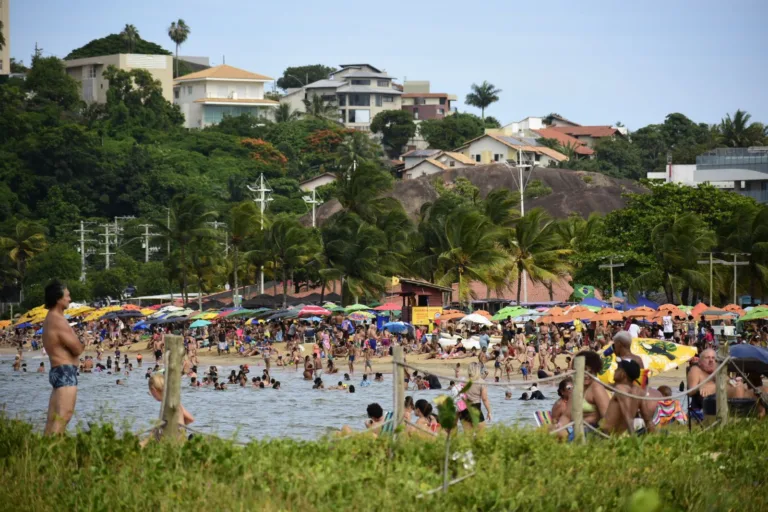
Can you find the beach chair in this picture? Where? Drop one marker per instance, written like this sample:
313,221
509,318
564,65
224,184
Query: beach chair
389,428
542,418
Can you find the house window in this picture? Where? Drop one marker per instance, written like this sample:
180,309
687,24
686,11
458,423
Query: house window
388,98
383,83
342,100
415,113
359,116
441,111
477,158
92,72
498,157
451,164
361,82
420,101
1,60
343,116
189,90
360,100
176,93
378,100
442,101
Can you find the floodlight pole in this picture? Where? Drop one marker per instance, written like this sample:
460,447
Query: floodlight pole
736,264
314,202
611,265
262,199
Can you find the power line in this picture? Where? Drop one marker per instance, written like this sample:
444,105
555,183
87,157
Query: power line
83,253
263,198
106,243
147,235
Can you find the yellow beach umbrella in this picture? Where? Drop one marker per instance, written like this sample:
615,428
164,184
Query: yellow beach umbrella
658,356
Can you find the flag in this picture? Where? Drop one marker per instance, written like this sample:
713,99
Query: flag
582,291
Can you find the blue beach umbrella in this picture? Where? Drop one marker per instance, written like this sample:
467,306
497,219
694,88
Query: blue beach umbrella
397,327
199,323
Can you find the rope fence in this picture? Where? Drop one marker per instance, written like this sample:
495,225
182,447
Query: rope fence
441,488
560,429
597,431
463,380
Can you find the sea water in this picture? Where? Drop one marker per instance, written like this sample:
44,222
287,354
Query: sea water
295,411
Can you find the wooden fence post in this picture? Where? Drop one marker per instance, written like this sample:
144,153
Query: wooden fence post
170,410
722,385
398,383
577,399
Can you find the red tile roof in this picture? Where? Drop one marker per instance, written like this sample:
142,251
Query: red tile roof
425,95
590,131
565,140
561,291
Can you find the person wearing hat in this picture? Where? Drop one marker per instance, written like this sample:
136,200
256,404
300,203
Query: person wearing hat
622,409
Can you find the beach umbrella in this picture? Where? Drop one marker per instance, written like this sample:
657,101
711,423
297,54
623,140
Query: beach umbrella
313,311
658,356
685,309
755,314
674,312
389,306
734,308
356,307
451,316
718,314
640,312
241,312
475,319
482,312
608,315
581,312
130,307
311,319
141,325
546,318
39,331
665,307
749,358
199,323
698,308
359,316
78,310
4,324
510,311
397,327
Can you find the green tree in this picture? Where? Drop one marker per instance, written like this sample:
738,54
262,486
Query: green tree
108,283
361,191
178,32
319,108
357,147
152,279
245,221
57,261
482,96
677,242
130,35
492,122
49,81
284,113
189,218
291,246
112,44
25,242
747,233
738,132
397,128
205,263
451,131
299,76
535,248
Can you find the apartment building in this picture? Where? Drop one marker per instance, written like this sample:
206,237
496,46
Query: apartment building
5,53
360,91
89,72
206,96
424,104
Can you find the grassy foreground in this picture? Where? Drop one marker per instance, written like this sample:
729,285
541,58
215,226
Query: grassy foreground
516,470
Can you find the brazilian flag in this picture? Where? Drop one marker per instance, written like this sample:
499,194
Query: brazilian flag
582,291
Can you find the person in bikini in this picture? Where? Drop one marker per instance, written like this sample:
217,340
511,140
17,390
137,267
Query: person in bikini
63,348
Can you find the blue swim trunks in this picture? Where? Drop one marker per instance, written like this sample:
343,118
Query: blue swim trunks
63,376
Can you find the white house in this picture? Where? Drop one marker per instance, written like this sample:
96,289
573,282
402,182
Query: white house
424,168
318,181
447,159
206,96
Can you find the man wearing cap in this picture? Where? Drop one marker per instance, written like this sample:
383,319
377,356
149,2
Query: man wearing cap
622,409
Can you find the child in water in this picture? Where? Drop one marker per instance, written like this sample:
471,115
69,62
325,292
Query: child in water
156,388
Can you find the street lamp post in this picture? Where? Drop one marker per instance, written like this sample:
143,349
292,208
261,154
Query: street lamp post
263,199
521,185
314,202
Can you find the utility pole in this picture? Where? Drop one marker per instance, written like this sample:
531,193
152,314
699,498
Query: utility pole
168,237
611,265
119,228
314,202
263,199
216,225
82,231
521,185
712,262
106,243
147,235
736,264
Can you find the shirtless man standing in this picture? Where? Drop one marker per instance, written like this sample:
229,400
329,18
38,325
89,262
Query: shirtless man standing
157,347
63,348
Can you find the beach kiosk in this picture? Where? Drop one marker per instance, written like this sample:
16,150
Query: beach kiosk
422,300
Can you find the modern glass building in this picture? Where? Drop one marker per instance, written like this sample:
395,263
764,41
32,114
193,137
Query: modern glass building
746,167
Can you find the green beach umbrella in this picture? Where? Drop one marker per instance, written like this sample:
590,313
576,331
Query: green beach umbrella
755,314
356,307
508,311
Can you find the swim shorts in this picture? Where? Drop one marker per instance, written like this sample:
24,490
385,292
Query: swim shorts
63,376
158,354
351,359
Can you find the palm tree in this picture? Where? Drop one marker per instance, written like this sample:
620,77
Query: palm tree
206,264
130,35
284,113
499,206
291,245
677,244
189,218
737,132
245,221
178,32
469,250
360,190
535,248
747,233
357,148
26,241
316,106
482,96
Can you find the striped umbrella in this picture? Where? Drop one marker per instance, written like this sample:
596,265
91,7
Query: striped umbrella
313,311
359,316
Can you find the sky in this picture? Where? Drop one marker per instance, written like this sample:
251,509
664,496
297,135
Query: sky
594,62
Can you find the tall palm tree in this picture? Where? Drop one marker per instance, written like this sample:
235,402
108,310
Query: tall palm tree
291,245
130,35
747,233
284,113
357,148
482,96
677,245
469,250
360,189
189,218
738,132
535,248
178,32
245,221
205,263
26,241
316,106
499,206
575,232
